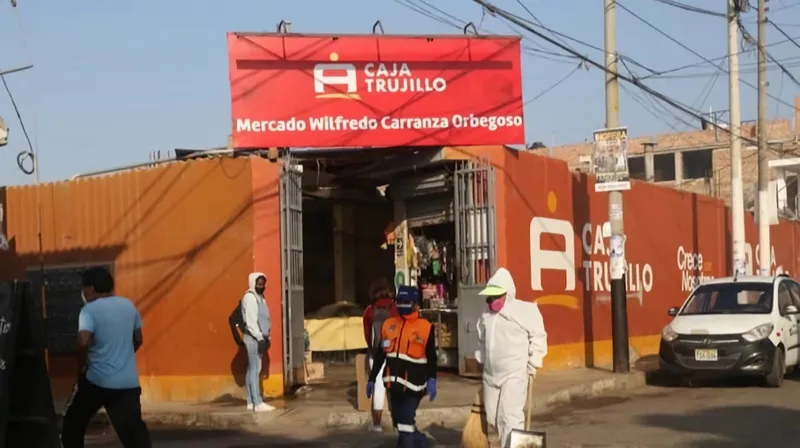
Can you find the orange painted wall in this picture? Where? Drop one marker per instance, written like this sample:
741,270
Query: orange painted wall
182,238
658,221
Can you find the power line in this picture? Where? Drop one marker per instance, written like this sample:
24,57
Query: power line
536,19
775,25
749,38
697,64
556,84
455,22
691,8
527,24
522,23
707,74
682,45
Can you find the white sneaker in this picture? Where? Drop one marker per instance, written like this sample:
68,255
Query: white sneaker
263,407
375,428
250,407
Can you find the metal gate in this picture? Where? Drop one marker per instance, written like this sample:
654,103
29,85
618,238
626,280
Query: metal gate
291,193
476,248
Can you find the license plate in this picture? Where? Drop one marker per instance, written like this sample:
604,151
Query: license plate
705,355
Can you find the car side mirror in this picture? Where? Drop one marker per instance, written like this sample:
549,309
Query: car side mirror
674,311
790,309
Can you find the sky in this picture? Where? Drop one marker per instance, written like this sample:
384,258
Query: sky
114,81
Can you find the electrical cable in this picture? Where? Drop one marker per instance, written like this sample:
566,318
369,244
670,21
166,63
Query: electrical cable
536,19
780,30
697,64
748,70
687,48
690,8
455,22
749,37
23,156
523,23
556,84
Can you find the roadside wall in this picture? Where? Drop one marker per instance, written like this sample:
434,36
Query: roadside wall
549,223
182,239
674,239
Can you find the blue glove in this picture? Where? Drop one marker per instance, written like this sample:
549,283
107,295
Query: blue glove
432,388
370,389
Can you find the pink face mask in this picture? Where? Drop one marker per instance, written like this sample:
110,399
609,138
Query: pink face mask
497,305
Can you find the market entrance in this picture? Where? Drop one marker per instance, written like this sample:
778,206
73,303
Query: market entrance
411,215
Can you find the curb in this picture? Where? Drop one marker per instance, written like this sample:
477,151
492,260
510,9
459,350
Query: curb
457,415
233,420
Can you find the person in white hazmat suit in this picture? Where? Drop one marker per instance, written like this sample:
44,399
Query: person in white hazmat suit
512,343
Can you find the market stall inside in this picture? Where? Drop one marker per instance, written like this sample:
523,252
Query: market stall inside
414,215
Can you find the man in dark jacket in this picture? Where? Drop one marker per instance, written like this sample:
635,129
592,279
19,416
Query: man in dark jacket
409,350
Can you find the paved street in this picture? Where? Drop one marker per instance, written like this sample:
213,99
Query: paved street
717,415
701,417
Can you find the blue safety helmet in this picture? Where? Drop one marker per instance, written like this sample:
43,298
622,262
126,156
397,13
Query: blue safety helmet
407,294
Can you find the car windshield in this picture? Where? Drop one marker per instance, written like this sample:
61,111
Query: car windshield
730,298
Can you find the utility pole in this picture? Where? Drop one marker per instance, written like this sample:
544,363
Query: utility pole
764,244
737,190
619,299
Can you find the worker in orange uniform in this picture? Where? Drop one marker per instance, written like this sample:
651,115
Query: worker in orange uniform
409,350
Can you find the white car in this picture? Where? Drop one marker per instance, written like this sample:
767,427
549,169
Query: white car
740,326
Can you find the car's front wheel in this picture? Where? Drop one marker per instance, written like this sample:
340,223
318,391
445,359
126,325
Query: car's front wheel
775,377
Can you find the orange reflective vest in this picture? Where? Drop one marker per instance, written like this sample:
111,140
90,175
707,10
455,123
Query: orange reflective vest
410,352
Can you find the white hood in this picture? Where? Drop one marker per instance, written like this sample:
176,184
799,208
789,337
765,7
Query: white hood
503,279
513,341
250,306
251,281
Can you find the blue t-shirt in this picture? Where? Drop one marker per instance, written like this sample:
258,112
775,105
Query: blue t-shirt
111,358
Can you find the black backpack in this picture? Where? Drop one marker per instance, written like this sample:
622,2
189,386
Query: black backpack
237,324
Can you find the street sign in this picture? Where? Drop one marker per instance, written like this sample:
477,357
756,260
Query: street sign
610,160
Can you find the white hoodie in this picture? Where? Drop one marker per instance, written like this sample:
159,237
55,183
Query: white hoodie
250,307
512,341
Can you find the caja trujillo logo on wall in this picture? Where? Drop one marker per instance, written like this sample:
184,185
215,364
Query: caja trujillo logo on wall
341,79
595,272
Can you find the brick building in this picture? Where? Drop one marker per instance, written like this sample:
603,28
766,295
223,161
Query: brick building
699,161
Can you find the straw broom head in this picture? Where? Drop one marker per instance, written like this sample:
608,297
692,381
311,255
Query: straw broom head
475,434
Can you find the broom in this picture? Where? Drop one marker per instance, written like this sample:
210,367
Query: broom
475,434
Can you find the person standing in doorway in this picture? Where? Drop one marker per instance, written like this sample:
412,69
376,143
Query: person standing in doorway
255,314
512,343
109,334
381,292
409,350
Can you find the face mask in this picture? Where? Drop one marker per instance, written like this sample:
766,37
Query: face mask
83,298
404,309
497,305
260,291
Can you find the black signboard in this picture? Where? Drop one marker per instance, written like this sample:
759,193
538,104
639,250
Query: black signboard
62,290
27,412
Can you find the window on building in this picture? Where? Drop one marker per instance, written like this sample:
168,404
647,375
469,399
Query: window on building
664,167
636,167
791,193
698,164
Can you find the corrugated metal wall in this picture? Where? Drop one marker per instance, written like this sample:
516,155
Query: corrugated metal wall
180,238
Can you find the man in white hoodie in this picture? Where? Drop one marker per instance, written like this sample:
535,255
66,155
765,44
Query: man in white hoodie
512,343
255,314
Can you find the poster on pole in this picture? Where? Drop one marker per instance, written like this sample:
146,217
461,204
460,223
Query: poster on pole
610,160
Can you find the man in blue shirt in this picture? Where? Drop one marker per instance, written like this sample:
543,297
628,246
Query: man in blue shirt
109,334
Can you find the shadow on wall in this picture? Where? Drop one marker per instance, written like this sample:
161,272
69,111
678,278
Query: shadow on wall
732,427
137,220
183,261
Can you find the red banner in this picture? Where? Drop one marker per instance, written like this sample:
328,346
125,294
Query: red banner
374,90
